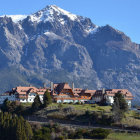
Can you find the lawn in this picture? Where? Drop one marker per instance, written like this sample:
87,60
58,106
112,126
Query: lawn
120,136
26,104
90,107
123,136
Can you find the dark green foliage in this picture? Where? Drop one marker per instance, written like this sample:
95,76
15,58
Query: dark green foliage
12,107
47,99
119,107
13,127
6,105
96,133
36,104
42,134
78,103
99,133
103,102
56,132
121,101
60,106
117,112
92,118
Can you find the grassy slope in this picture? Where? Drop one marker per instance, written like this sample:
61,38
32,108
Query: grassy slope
90,107
120,136
123,136
129,120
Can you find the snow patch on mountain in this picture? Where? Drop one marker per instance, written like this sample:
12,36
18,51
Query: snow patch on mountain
51,35
91,30
15,18
64,12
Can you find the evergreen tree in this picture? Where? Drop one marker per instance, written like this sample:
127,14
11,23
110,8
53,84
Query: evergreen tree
36,104
18,131
13,127
119,107
9,106
121,101
47,99
117,113
28,130
6,105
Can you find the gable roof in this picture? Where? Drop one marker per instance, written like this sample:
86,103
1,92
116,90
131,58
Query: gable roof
123,91
26,90
61,86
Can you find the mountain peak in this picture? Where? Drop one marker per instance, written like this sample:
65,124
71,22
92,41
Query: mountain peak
49,12
63,12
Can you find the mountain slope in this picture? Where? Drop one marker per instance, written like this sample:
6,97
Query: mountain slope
55,45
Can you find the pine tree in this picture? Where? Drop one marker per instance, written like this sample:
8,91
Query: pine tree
47,99
28,130
36,104
119,107
6,105
121,101
13,127
117,114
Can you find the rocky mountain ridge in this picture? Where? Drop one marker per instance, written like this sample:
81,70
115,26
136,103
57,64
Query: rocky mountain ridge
55,45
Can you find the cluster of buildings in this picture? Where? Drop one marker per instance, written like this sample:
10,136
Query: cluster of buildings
63,93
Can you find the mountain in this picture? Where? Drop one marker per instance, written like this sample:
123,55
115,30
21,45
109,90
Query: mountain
55,45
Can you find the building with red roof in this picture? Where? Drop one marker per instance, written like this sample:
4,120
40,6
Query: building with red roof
63,93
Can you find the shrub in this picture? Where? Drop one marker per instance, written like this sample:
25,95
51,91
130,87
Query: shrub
78,103
60,106
94,105
70,102
99,133
82,103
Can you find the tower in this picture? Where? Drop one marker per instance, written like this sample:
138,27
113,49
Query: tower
73,86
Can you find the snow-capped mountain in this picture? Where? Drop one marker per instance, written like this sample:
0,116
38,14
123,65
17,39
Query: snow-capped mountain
55,45
49,13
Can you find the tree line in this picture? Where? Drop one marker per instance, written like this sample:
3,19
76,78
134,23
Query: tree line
13,127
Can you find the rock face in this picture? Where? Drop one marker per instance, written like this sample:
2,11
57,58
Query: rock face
55,45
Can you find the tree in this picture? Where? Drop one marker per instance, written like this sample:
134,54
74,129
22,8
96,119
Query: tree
10,106
6,105
119,107
36,104
121,101
28,130
14,128
47,99
117,113
60,106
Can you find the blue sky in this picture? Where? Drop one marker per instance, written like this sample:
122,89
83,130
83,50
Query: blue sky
121,14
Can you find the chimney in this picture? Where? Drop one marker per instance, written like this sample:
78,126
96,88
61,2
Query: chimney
103,91
73,86
51,86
